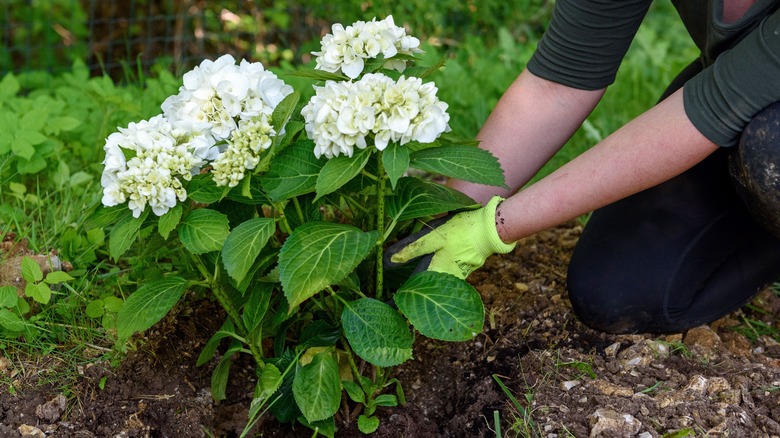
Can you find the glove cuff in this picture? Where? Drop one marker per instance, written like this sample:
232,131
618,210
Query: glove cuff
491,231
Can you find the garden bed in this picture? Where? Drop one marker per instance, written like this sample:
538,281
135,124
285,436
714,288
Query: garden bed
569,380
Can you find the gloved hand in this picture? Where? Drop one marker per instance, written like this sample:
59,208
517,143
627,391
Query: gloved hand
459,244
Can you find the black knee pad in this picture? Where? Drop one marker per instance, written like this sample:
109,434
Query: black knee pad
755,167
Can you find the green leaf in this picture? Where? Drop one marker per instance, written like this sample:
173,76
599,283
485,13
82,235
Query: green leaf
386,400
64,123
226,331
10,321
113,304
317,388
104,216
319,254
31,137
8,295
283,111
204,230
9,86
396,161
219,377
340,170
95,309
33,165
270,380
123,235
57,277
415,198
367,424
354,391
256,305
325,428
22,148
319,75
462,162
169,221
256,194
377,332
39,292
244,244
147,305
441,306
294,172
31,270
203,189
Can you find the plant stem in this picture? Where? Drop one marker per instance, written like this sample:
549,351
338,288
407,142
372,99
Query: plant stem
380,223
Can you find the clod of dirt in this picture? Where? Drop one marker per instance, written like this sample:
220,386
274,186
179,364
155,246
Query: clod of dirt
52,409
607,422
31,431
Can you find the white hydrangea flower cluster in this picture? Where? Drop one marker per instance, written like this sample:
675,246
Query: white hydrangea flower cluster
346,49
345,115
216,95
243,152
220,116
146,162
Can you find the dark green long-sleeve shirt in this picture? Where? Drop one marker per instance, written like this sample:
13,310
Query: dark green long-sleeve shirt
587,39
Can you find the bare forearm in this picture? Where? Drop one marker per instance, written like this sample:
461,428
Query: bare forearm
652,148
533,119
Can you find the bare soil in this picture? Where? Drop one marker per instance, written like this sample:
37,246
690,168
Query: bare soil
568,380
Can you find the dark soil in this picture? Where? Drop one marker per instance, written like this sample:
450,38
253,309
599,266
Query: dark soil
568,380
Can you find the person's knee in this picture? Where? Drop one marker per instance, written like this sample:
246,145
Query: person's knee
600,304
755,167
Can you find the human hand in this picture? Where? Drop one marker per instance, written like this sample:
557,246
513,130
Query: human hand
457,244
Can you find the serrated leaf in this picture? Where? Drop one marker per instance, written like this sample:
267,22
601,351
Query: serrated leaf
169,221
270,380
460,162
257,305
319,254
441,306
8,296
415,198
31,270
340,170
147,305
396,161
203,189
377,332
317,388
64,123
293,172
244,244
256,195
123,235
113,304
204,230
22,148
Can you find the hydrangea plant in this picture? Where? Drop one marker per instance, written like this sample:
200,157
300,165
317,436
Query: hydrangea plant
282,210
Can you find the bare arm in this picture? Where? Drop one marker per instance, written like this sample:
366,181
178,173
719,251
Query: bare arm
533,119
654,147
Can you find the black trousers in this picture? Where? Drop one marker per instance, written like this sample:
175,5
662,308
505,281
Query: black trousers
683,253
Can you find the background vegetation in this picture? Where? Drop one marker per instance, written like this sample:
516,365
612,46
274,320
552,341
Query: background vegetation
73,73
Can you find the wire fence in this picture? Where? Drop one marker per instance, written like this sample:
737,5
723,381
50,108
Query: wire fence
116,37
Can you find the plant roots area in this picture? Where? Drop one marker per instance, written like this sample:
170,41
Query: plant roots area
535,370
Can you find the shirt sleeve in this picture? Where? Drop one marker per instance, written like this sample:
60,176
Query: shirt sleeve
721,100
586,41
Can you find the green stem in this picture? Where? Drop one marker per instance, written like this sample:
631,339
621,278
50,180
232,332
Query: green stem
380,224
298,210
283,224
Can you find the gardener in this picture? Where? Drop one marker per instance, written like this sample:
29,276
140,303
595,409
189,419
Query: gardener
686,196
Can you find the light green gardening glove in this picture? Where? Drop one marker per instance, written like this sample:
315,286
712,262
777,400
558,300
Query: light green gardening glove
459,244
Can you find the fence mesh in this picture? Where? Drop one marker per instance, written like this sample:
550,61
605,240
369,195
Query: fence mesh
117,36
